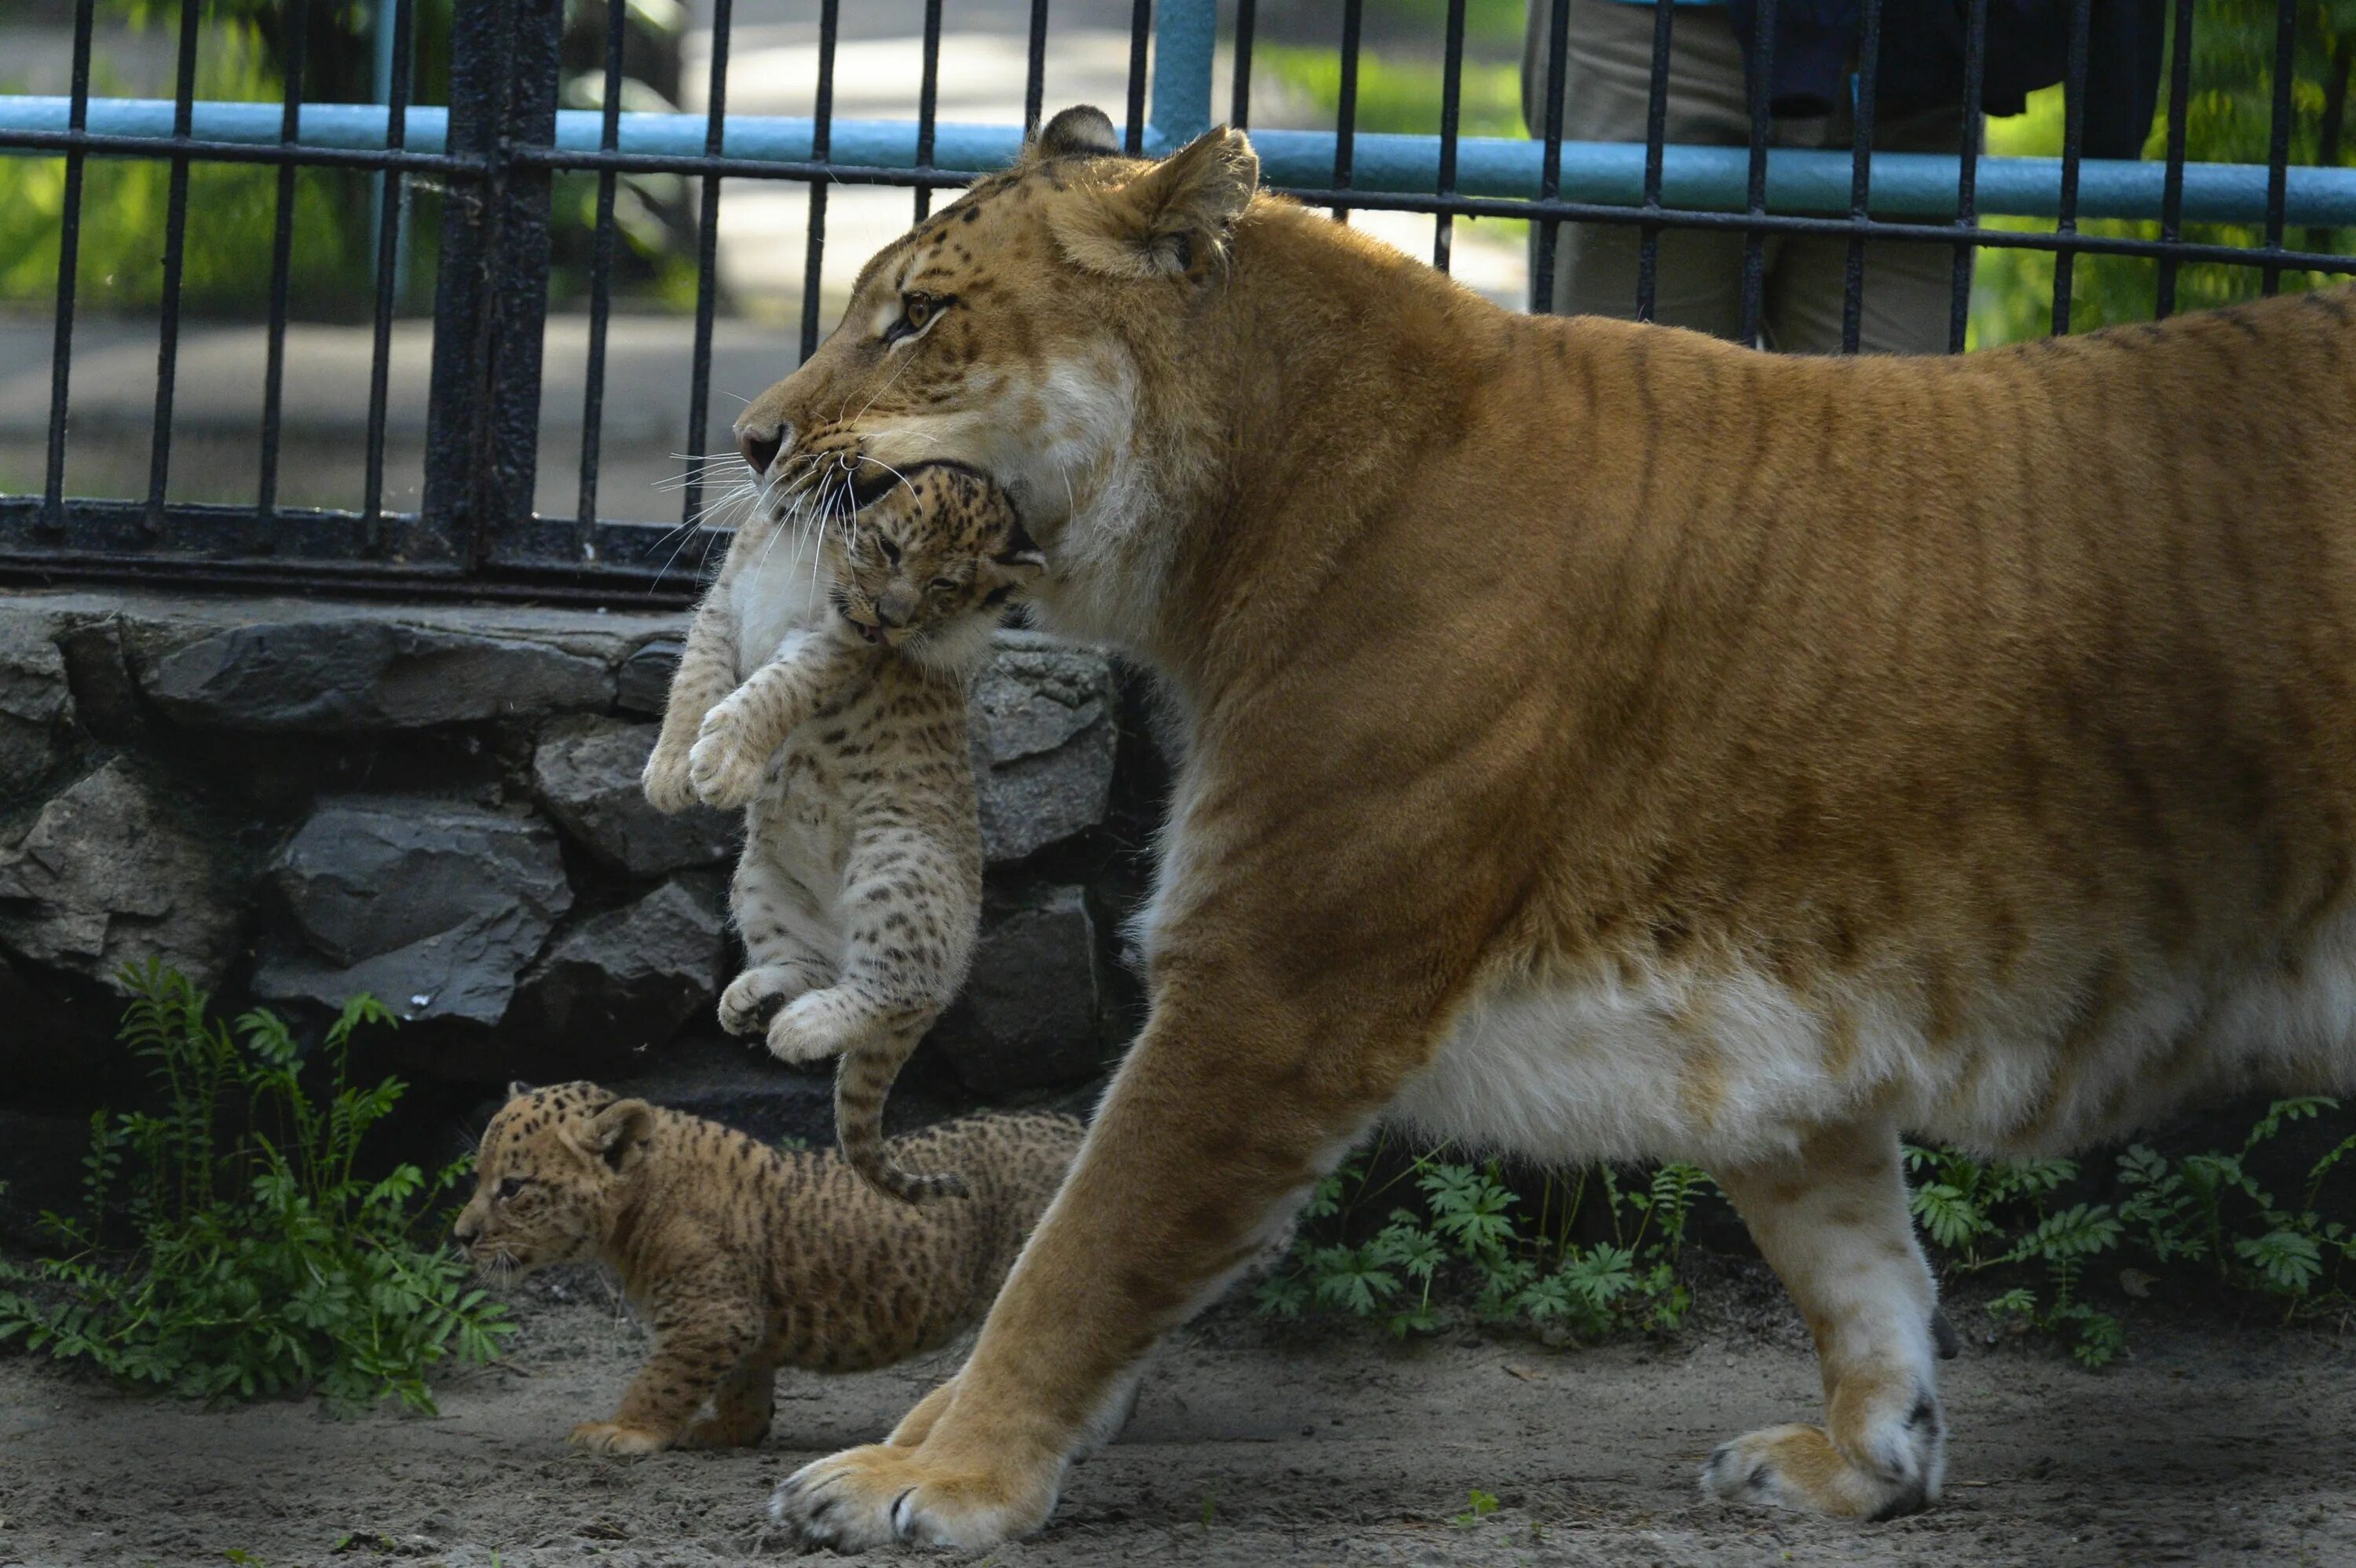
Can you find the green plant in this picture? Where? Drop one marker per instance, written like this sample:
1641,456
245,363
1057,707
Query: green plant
1460,1241
2202,1209
258,1260
1483,1504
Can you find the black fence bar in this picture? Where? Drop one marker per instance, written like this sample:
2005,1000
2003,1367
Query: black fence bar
296,25
391,204
53,490
1034,71
1141,33
176,254
1346,111
1973,130
707,267
2278,141
1451,115
1761,78
829,18
1549,231
1239,94
2073,143
1860,186
2171,201
928,100
601,280
1656,136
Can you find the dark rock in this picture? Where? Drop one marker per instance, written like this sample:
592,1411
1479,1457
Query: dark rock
622,981
586,774
105,693
740,1085
1029,1015
644,684
36,705
1044,731
40,1167
111,873
434,906
357,672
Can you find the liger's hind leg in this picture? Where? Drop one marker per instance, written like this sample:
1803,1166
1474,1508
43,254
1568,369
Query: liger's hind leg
1834,1223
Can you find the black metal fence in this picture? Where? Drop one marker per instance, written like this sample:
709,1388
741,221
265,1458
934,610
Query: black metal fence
495,148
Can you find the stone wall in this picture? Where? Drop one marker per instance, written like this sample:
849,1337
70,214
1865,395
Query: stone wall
294,800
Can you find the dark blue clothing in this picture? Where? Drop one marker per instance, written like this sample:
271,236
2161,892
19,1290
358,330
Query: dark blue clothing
1923,59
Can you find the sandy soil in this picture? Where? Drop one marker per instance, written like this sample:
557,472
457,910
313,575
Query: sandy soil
1251,1445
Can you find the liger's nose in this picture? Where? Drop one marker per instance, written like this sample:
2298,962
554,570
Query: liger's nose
893,609
467,1229
759,445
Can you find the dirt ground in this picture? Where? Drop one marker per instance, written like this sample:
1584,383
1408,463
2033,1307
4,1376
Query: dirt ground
2217,1442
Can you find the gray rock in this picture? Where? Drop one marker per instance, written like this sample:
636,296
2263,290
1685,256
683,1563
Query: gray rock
36,705
585,773
1044,731
644,684
1028,1017
433,906
627,980
111,873
357,672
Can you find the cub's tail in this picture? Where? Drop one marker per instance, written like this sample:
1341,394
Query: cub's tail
863,1081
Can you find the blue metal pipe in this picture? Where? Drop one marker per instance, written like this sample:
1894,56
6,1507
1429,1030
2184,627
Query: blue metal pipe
1914,184
1185,36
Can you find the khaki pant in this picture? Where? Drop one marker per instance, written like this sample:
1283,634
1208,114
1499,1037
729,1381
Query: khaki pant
1607,90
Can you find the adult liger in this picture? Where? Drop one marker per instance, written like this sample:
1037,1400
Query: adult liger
1604,741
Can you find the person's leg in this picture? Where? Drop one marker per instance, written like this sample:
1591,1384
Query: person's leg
1905,306
1607,95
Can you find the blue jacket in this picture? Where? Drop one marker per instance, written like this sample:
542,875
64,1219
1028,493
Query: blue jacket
1923,59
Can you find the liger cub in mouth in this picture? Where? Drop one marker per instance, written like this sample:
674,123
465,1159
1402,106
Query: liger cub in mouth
743,1259
823,689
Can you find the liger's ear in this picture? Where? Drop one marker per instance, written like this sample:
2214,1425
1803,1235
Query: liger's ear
517,1089
617,1135
1173,220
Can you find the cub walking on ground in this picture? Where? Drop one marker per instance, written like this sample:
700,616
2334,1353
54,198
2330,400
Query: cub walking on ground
859,892
743,1259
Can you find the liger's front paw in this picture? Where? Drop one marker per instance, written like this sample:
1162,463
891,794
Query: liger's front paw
614,1437
666,781
723,770
866,1497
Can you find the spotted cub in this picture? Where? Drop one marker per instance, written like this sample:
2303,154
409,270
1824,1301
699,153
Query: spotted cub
859,892
743,1259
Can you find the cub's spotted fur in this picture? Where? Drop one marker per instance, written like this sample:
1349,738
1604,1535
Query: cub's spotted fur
743,1259
859,892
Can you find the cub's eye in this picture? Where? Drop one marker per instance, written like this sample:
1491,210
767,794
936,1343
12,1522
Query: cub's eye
891,551
916,313
945,585
511,1187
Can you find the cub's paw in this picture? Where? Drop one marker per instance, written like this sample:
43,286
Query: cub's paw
666,781
866,1497
814,1027
614,1437
754,997
722,766
724,1431
1799,1467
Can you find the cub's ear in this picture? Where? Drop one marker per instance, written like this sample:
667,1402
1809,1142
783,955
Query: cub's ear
1011,570
1083,131
617,1135
1175,220
517,1089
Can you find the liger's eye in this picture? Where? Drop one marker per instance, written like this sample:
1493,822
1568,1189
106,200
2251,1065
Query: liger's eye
916,313
511,1187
